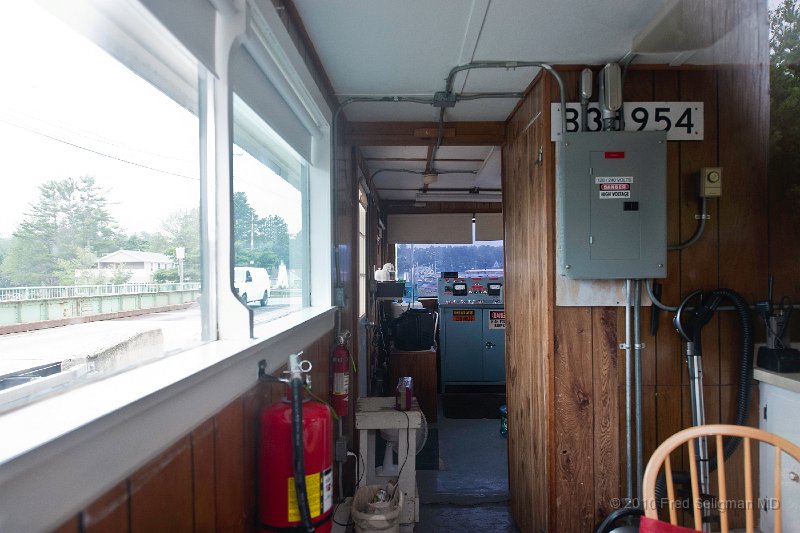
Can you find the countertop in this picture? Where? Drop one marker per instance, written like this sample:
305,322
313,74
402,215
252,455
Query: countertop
790,382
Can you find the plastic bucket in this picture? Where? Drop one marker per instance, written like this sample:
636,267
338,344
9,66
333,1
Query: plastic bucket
376,517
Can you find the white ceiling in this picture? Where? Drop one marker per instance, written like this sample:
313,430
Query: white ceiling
408,47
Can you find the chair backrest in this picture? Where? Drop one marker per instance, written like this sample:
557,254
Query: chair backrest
687,436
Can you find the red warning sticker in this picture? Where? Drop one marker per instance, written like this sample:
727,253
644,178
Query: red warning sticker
615,186
615,155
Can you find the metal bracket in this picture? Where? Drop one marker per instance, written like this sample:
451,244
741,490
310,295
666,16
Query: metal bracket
444,99
702,217
640,346
623,346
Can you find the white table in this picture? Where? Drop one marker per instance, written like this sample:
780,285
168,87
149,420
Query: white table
374,414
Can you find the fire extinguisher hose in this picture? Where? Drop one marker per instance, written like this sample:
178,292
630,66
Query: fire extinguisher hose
297,454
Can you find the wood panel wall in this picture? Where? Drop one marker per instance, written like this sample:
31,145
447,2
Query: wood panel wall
566,379
204,482
528,207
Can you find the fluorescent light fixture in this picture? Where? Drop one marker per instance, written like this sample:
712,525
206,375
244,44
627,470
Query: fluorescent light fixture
431,196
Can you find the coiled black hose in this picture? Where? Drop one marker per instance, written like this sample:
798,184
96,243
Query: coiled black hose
297,454
743,393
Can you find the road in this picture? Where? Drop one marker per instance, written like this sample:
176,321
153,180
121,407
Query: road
179,330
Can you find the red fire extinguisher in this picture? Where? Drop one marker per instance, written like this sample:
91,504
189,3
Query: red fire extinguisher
340,396
279,508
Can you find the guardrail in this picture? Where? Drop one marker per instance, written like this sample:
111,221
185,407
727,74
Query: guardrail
23,308
87,291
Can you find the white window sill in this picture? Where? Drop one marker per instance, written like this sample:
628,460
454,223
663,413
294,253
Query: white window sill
67,449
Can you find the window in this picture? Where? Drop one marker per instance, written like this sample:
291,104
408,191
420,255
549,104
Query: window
270,219
421,265
362,252
103,170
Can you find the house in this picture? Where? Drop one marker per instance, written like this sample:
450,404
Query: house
382,123
141,265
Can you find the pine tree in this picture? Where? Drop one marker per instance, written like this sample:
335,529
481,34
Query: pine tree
68,227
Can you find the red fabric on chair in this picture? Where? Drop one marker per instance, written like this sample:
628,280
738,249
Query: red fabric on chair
649,525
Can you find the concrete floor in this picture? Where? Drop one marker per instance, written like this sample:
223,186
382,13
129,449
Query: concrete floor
469,492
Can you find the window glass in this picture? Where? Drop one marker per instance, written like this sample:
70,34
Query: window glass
421,265
100,173
269,219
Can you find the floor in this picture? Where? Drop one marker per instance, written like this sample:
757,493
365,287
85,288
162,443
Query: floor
469,492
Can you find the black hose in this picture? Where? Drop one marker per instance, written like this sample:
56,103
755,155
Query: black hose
297,455
615,518
745,369
709,304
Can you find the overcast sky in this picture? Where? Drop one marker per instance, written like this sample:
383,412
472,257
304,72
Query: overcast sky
73,110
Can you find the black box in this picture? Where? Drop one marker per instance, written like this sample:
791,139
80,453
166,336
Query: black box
390,289
781,360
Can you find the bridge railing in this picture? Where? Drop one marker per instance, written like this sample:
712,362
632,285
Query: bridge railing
88,291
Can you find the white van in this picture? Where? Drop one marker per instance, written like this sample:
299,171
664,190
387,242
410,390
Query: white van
251,284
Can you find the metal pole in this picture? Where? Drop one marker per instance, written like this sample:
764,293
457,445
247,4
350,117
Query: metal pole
637,357
628,420
694,363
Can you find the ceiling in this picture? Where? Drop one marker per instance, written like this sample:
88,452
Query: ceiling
381,48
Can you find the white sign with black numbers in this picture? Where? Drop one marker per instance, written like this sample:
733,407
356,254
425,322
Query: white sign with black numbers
683,121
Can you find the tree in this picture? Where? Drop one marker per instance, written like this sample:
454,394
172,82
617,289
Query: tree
181,229
69,223
260,242
784,157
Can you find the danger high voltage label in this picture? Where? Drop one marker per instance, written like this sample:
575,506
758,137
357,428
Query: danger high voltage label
614,187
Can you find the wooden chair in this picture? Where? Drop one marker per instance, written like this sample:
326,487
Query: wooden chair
661,457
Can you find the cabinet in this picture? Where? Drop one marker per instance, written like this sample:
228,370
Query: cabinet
778,408
472,341
421,366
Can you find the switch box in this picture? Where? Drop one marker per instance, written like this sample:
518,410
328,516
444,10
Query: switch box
611,205
711,182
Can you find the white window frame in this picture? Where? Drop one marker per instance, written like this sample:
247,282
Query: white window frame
363,205
68,449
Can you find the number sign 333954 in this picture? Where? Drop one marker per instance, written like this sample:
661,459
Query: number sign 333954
683,121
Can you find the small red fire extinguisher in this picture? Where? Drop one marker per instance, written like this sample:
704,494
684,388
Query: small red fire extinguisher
340,362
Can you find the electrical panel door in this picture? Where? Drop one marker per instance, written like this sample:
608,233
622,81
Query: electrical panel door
462,345
611,205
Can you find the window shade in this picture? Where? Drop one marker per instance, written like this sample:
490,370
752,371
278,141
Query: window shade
454,228
191,22
488,226
252,86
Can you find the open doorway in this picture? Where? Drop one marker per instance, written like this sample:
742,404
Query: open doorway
462,466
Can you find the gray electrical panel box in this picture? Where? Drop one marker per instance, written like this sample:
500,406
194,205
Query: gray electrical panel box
611,205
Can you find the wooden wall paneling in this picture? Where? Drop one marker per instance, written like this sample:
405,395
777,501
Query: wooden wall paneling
109,513
700,263
743,112
204,477
544,444
232,501
73,525
743,155
252,402
668,349
574,404
518,360
606,416
669,418
528,214
161,492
